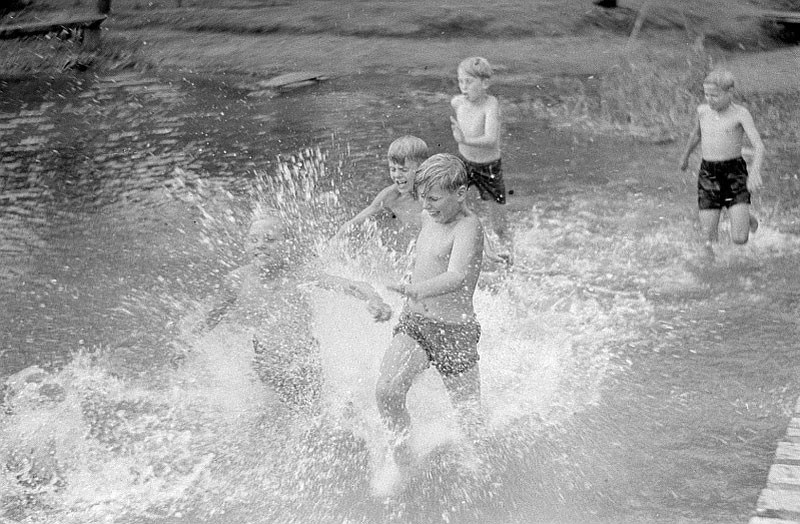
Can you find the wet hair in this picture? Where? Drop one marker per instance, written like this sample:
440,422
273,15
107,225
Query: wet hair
476,66
721,78
408,148
444,170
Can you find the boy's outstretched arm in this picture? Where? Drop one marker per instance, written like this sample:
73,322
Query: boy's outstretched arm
754,180
693,141
224,301
371,210
361,290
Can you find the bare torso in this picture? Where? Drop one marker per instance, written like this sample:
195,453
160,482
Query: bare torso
405,208
433,249
472,117
721,132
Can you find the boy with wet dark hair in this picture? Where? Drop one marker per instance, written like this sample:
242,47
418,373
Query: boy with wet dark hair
723,180
437,325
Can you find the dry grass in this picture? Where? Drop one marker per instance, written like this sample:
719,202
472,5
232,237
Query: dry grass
53,55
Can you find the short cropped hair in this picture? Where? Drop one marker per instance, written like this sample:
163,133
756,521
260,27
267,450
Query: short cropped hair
408,148
443,169
476,66
721,78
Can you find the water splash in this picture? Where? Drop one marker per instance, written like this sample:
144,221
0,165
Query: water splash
203,437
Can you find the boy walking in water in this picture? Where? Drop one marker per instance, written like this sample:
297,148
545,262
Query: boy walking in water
723,180
476,130
437,325
405,155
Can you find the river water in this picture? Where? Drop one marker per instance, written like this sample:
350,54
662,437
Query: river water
625,377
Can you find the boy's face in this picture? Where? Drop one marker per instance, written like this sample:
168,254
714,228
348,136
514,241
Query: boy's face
403,175
470,86
717,98
443,206
265,241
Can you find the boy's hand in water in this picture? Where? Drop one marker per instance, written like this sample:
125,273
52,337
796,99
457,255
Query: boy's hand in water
379,309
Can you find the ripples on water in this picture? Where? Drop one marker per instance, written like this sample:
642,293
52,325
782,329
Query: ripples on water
595,347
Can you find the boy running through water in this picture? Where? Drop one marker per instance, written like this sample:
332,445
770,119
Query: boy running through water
405,155
268,294
476,130
437,325
723,180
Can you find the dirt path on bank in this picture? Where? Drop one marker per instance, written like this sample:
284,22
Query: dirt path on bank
514,59
517,60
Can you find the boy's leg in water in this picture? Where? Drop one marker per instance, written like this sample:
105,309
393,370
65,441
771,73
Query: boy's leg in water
499,223
401,363
709,224
741,223
465,394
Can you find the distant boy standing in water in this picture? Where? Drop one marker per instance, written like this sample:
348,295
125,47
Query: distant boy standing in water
438,324
476,129
723,181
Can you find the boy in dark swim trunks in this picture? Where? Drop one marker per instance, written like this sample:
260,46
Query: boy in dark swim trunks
723,180
438,324
476,129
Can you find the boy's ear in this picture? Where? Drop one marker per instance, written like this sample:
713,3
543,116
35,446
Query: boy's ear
461,192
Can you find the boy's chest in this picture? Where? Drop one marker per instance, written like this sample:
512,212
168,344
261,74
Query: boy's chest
713,125
434,247
470,116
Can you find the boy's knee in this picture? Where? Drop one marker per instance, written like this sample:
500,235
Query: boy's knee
740,239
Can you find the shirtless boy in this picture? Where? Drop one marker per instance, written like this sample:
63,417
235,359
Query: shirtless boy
437,325
476,130
723,180
270,296
405,155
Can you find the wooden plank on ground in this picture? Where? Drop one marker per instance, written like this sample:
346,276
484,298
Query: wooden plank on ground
778,503
780,16
50,26
784,476
788,453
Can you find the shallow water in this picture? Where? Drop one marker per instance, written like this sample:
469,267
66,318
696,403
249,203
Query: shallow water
625,378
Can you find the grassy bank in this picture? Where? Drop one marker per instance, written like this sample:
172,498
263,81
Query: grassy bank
648,91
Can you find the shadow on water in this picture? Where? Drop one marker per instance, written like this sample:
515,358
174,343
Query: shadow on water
625,378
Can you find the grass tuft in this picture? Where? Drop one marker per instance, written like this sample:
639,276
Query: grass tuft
650,98
53,55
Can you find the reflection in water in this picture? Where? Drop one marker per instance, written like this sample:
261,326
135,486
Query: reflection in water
621,377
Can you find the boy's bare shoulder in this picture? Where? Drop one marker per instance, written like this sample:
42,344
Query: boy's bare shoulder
740,110
470,223
457,100
387,195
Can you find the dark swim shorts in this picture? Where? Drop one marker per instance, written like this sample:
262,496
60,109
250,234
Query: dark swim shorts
488,178
451,347
722,183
